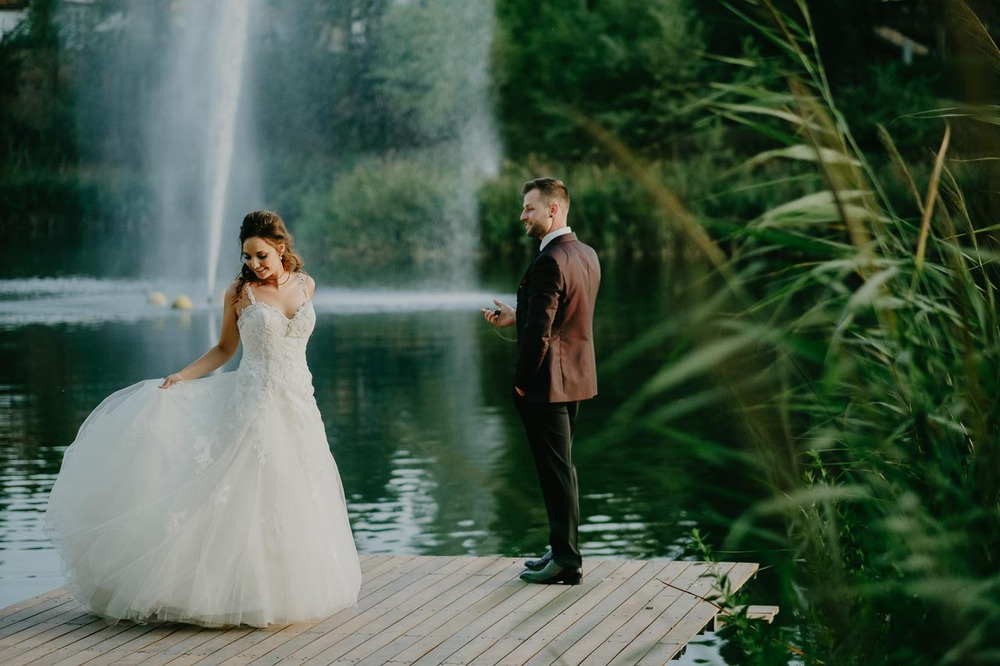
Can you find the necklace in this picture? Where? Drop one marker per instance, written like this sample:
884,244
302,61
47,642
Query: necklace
286,276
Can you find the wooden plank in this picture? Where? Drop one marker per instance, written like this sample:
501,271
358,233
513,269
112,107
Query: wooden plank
563,601
495,588
78,641
511,595
243,650
498,643
352,635
241,655
378,571
407,578
157,640
415,611
567,634
534,632
761,612
740,573
17,611
753,612
264,643
660,654
34,636
686,615
107,645
131,644
74,632
633,638
614,633
182,646
430,625
393,631
30,625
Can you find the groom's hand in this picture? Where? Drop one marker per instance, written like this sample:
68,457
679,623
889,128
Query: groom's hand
501,316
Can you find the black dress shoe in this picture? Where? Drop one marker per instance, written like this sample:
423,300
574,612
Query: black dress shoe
552,574
539,564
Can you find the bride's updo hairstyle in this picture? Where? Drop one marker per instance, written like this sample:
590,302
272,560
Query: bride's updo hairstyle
271,228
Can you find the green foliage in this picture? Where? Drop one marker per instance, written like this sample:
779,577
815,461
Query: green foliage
608,207
35,204
36,128
37,195
627,64
41,205
854,328
890,94
425,81
361,78
499,201
378,214
747,641
376,156
313,66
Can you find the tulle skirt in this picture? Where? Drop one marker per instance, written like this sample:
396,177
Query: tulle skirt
205,505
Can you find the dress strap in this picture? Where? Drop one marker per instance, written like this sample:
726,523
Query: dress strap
302,283
253,301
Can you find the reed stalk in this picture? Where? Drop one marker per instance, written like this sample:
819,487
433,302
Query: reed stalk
858,350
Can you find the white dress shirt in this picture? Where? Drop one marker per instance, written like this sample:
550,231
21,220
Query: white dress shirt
547,238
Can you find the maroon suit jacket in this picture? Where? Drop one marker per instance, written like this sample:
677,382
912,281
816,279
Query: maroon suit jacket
555,323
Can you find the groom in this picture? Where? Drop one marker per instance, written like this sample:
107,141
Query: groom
555,366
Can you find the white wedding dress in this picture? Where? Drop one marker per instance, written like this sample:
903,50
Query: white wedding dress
213,502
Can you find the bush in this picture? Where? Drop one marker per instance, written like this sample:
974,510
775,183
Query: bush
608,208
392,213
853,335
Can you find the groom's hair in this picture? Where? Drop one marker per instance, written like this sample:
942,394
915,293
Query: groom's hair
551,189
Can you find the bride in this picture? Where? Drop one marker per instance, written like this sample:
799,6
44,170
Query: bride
215,501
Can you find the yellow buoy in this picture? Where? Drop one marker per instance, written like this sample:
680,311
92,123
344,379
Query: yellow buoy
156,298
182,302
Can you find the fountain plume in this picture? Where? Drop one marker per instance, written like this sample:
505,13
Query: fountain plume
195,121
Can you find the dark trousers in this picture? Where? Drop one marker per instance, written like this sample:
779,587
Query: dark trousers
550,433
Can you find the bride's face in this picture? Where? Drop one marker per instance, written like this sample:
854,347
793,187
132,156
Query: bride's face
263,258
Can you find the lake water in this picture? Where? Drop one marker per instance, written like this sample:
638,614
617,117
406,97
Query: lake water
414,391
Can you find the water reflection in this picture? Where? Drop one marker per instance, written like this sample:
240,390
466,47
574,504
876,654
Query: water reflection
413,389
402,397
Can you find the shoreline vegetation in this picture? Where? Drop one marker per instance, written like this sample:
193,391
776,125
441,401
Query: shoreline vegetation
827,205
850,332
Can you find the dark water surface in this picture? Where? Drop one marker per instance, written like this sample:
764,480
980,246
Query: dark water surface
414,391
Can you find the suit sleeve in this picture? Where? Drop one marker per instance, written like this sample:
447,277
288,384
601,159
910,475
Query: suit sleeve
544,288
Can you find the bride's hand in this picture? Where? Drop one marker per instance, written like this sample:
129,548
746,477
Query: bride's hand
171,380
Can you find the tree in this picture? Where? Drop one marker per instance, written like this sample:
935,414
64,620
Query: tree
626,64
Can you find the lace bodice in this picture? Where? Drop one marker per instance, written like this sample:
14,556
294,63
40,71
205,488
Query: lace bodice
274,346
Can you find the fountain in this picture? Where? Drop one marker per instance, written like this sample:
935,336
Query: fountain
173,100
193,125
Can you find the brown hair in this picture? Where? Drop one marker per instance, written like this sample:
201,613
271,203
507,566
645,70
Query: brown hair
551,189
270,227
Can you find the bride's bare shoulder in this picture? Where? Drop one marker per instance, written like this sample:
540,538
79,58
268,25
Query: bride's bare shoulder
310,283
234,290
236,295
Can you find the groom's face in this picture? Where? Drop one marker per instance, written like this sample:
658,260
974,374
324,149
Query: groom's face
537,215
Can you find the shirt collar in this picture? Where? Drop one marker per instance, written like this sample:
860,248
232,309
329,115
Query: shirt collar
552,235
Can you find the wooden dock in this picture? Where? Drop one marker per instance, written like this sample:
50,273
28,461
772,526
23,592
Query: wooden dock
414,610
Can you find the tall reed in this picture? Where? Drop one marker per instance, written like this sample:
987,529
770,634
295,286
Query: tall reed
858,346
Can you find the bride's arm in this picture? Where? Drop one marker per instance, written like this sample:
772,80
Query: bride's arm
216,357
